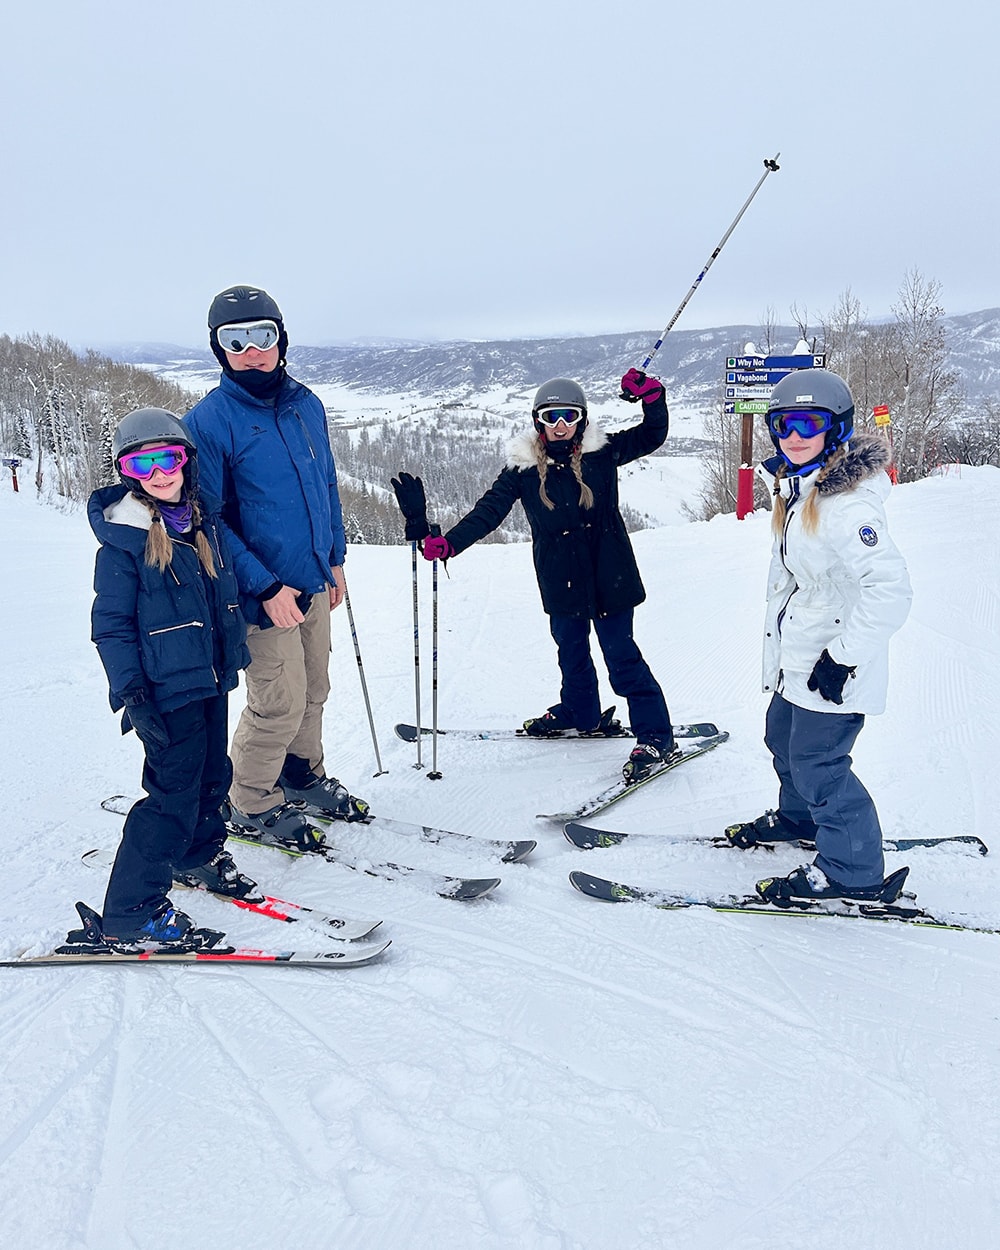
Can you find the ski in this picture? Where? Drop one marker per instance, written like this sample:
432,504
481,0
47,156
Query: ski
201,946
906,913
409,734
587,839
621,789
465,889
507,851
274,908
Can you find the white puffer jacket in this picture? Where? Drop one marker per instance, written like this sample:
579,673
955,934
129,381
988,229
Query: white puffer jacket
843,587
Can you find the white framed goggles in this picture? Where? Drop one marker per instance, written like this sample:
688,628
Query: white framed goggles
552,416
236,338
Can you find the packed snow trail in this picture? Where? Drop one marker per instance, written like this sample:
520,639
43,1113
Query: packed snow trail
530,1070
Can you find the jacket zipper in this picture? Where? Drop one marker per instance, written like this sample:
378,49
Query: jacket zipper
169,629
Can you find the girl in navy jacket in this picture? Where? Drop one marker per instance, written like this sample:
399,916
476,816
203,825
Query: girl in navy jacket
172,640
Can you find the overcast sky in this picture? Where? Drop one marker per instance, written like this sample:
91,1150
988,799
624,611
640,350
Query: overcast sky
453,169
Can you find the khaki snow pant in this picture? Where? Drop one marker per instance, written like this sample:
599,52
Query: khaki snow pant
288,682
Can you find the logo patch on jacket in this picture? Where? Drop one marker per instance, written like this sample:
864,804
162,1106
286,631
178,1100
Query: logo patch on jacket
868,536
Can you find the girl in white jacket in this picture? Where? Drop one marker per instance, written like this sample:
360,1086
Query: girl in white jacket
837,590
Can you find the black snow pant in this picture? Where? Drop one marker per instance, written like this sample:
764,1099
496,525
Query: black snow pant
178,825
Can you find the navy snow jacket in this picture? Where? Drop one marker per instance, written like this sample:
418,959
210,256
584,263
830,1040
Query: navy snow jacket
269,461
178,635
583,557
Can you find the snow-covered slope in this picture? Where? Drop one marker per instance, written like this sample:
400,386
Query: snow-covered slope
534,1071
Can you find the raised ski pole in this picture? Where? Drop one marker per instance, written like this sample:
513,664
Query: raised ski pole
770,166
434,775
416,652
364,684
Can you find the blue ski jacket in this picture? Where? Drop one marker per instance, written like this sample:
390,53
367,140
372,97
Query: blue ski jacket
178,635
270,462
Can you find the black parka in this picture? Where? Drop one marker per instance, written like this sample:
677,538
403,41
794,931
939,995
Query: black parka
583,557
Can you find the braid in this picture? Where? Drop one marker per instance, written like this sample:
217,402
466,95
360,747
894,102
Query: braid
159,548
586,494
542,461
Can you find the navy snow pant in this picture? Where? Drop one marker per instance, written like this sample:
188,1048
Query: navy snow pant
819,793
178,824
579,703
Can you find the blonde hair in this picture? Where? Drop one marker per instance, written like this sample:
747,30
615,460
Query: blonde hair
576,464
809,512
160,546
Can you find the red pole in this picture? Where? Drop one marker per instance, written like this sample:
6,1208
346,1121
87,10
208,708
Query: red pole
744,477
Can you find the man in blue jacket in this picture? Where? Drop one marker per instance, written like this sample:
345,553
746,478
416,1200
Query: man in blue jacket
264,450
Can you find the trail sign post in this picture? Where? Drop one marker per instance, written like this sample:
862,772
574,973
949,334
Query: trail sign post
749,382
12,463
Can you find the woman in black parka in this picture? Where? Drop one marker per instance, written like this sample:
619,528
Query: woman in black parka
565,473
172,641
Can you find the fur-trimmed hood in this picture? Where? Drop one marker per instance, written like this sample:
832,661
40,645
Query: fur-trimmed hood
522,451
867,455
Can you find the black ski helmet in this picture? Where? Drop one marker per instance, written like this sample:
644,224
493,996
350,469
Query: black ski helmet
805,390
560,393
244,303
151,425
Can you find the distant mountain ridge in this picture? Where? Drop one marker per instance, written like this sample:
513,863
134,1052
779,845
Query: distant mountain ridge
691,362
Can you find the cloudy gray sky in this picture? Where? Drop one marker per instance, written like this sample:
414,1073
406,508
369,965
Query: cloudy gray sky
452,169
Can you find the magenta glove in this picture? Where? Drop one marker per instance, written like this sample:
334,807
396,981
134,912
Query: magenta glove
437,548
636,386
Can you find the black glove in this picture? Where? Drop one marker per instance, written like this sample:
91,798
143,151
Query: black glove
413,505
143,717
829,678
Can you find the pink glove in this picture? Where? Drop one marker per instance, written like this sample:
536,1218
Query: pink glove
636,386
437,548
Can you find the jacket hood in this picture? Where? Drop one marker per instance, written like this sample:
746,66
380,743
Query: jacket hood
118,518
867,457
522,451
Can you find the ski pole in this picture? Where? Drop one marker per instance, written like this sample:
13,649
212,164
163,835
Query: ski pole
364,684
770,166
416,653
434,775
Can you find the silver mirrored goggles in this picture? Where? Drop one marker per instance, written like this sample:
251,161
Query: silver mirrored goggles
244,334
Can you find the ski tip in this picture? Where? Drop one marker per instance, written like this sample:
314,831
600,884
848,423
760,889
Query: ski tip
594,887
407,732
518,851
465,889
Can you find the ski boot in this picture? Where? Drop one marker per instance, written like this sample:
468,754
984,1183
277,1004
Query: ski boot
220,876
647,758
809,884
167,930
282,825
767,829
546,726
325,794
167,927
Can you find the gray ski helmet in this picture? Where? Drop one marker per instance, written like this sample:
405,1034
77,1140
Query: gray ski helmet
151,425
242,303
559,393
804,390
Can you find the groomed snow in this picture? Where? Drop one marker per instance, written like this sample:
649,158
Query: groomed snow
534,1071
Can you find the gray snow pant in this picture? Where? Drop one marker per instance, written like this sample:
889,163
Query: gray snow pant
821,795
